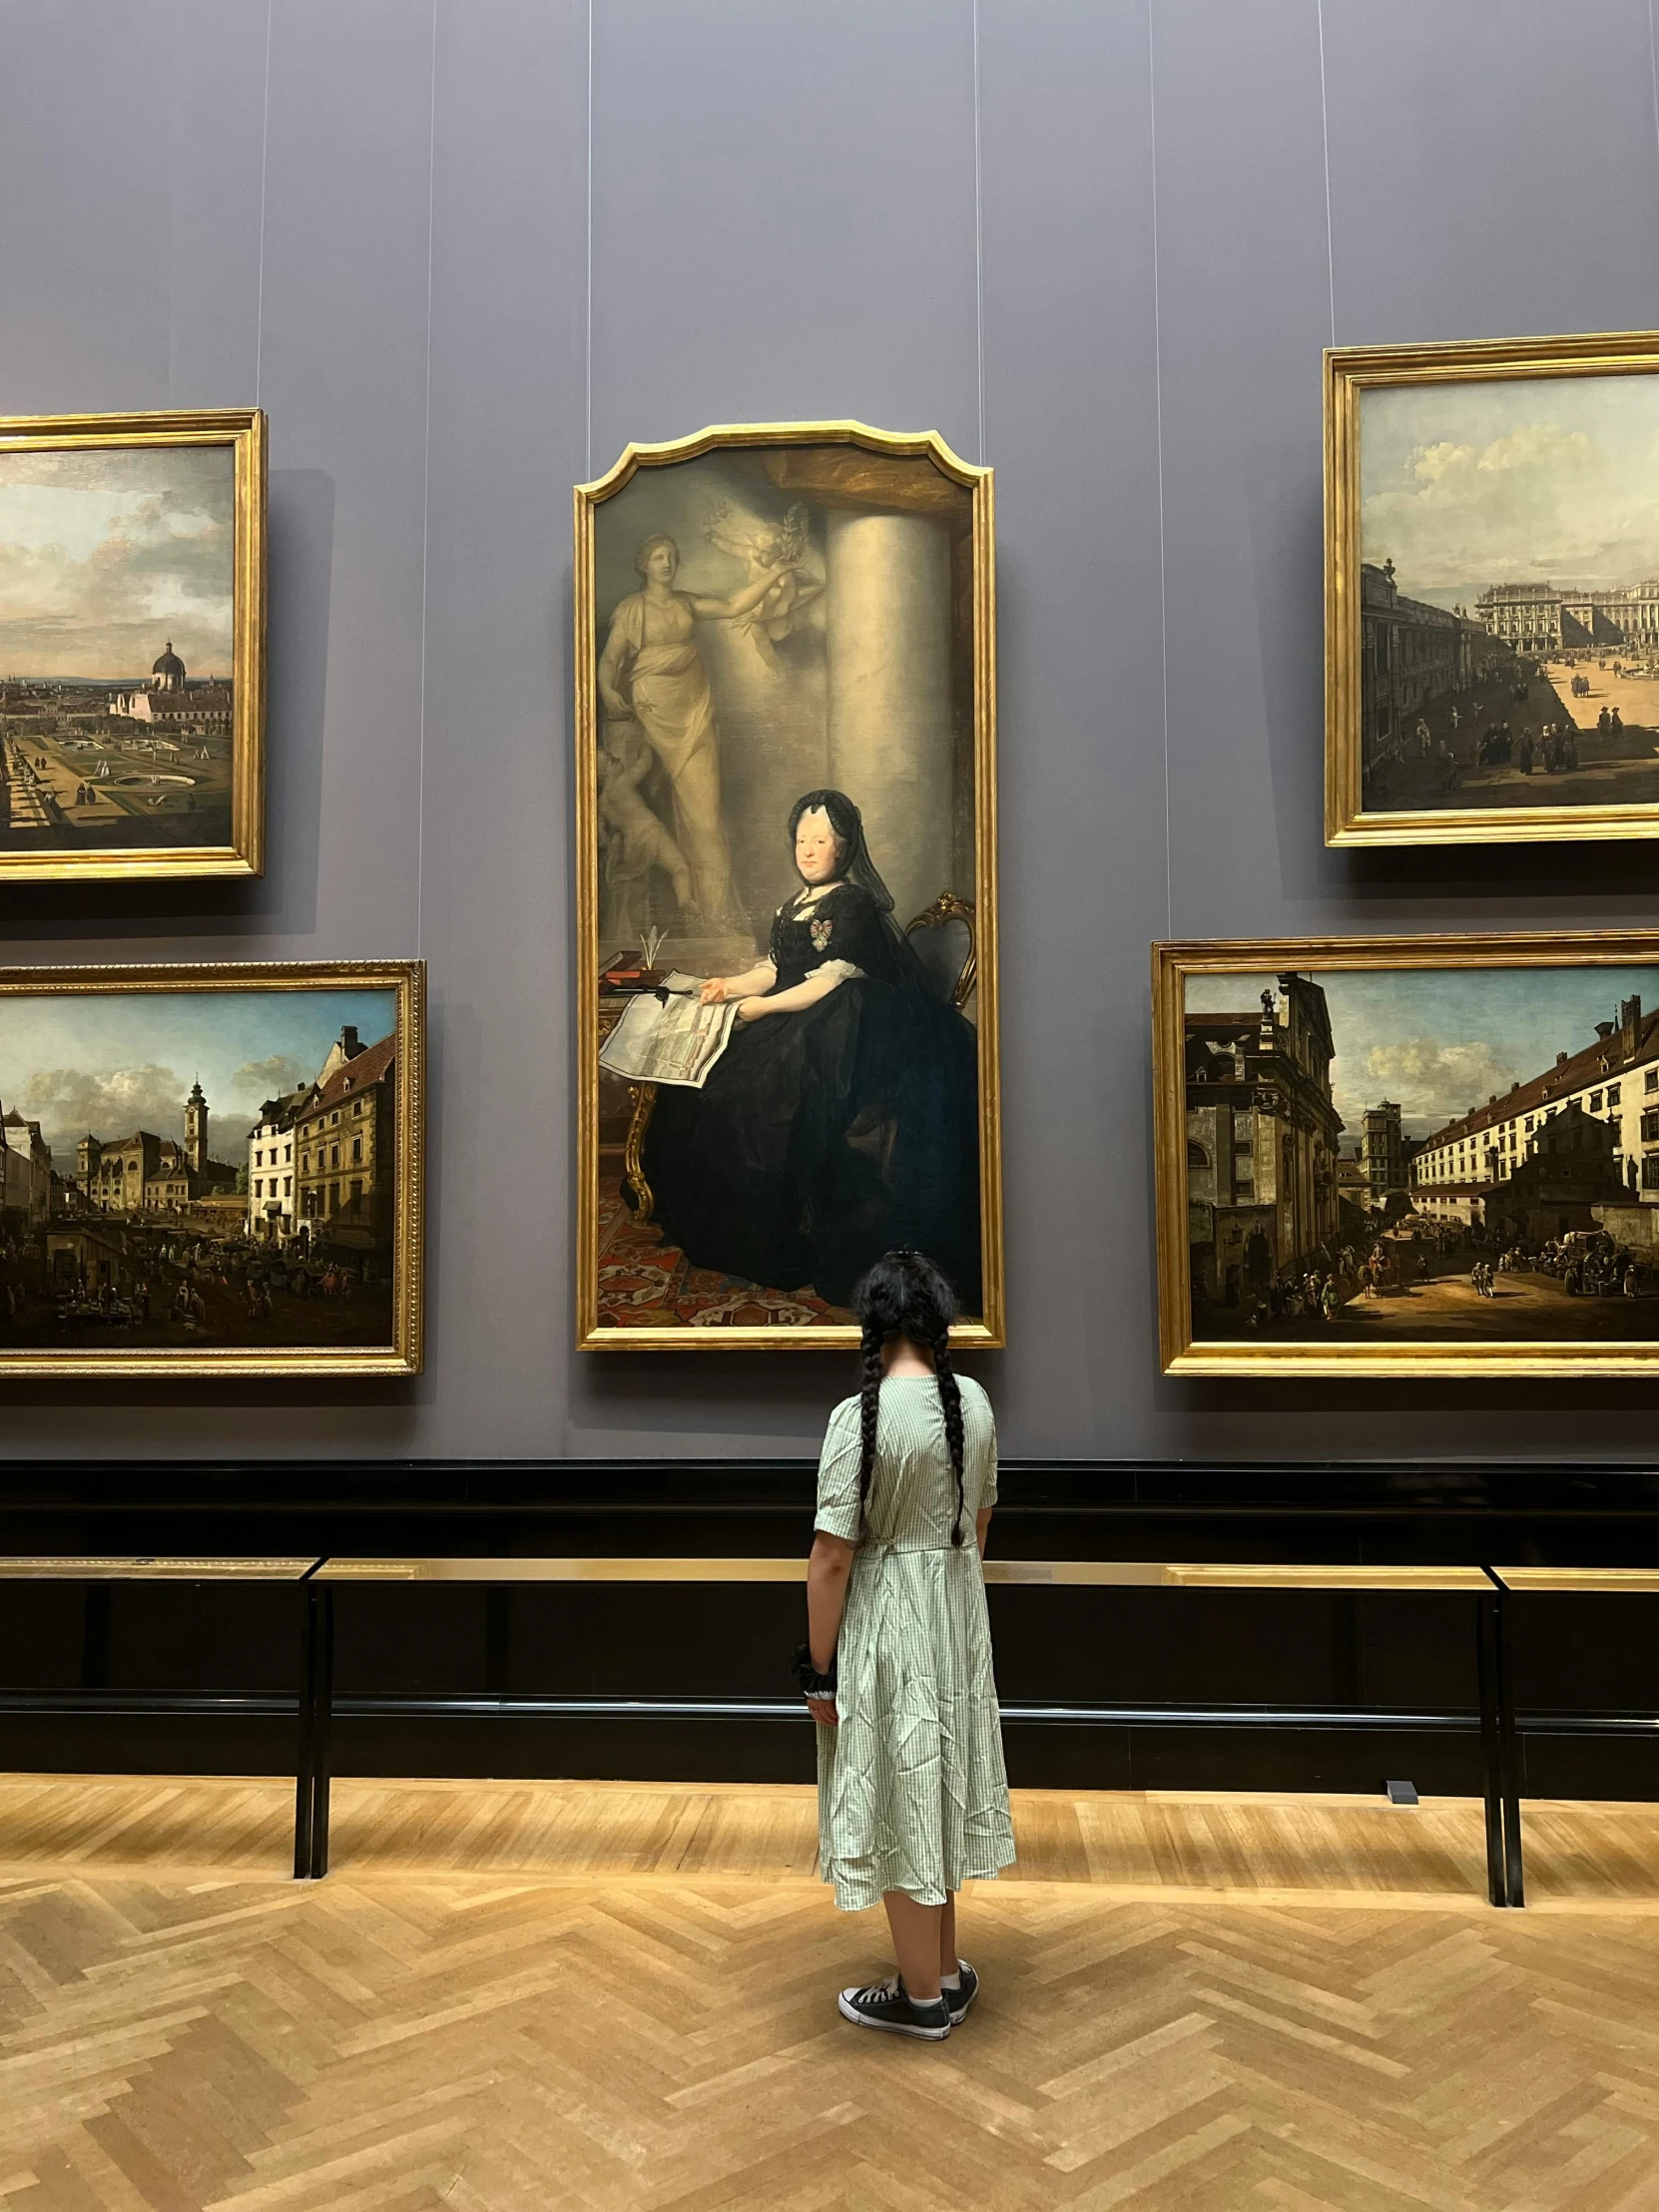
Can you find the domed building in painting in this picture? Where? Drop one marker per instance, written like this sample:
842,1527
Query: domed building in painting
182,708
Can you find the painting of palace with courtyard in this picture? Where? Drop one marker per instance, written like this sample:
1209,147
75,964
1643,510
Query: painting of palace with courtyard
1380,1160
131,647
1495,650
786,876
201,1174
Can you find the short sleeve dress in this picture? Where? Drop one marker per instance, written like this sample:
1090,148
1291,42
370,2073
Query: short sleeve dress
912,1792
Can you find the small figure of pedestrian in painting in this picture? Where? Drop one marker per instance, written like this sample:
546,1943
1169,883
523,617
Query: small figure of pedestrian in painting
913,1796
1424,740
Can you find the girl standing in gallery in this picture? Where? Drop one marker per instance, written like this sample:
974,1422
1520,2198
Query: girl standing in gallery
912,1795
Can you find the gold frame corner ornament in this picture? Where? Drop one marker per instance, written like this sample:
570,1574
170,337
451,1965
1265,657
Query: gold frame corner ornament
988,1330
244,430
404,1355
1349,372
1180,1354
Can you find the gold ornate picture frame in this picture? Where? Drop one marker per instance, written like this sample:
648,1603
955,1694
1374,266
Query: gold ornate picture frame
822,626
1407,1156
1491,591
132,645
212,1170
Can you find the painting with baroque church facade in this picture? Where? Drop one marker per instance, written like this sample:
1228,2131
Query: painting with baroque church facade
211,1169
1492,591
786,885
132,645
1409,1155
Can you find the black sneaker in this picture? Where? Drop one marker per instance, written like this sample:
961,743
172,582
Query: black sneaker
959,2000
888,2005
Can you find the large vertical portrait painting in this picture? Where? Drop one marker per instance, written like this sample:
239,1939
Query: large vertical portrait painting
132,645
1492,591
786,885
211,1170
1409,1155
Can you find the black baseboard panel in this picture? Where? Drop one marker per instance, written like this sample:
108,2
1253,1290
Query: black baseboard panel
1241,1753
1455,1511
1079,1757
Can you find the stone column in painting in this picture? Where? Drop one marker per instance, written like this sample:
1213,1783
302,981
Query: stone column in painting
888,652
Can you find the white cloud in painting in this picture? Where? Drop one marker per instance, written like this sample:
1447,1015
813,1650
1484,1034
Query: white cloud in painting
106,556
1536,482
1431,1081
256,1080
70,1103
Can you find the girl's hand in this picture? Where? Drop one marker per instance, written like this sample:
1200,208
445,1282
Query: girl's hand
750,1010
823,1710
713,993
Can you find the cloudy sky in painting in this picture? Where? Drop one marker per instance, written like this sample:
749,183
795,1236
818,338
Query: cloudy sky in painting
1551,480
1438,1043
111,1063
105,556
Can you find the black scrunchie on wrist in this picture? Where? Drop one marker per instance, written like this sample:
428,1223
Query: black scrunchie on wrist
813,1684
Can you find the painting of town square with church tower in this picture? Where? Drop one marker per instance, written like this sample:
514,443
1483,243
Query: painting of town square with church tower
132,645
211,1169
1492,591
1409,1155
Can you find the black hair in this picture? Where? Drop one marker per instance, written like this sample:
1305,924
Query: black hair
905,1295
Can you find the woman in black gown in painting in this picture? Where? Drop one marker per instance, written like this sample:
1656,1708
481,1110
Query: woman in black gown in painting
842,1119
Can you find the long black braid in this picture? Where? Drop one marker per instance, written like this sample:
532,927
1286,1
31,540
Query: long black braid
905,1295
870,1412
950,1401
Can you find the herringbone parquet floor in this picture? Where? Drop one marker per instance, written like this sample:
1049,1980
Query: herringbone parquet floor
177,2036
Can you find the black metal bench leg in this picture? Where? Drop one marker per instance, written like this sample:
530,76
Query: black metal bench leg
1509,1749
322,1769
305,1757
1491,1746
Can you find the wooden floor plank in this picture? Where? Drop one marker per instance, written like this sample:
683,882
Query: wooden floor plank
1132,1840
510,1998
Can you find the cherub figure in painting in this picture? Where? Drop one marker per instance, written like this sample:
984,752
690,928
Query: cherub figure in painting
772,552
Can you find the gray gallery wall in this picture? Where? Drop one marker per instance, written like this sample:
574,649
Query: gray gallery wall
463,250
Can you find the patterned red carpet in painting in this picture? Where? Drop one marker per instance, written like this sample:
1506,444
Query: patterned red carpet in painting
646,1281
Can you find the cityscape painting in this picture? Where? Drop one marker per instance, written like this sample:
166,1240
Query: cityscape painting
1492,591
786,885
1409,1155
211,1169
132,645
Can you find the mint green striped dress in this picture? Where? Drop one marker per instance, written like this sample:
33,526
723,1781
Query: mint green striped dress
911,1790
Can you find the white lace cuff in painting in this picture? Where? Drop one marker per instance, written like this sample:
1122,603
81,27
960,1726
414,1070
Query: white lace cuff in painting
844,972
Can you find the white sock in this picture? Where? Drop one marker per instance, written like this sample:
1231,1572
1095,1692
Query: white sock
951,1980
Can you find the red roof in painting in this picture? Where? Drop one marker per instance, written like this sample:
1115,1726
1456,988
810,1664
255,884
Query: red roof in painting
356,1075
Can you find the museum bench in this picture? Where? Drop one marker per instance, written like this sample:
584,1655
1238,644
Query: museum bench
1500,1766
